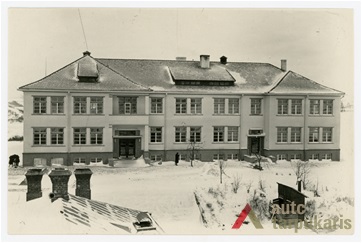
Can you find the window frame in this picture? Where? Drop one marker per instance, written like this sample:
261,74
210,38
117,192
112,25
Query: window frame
80,105
233,134
327,107
283,106
234,105
57,136
156,135
58,101
180,134
325,132
314,106
39,105
312,133
96,135
78,135
296,106
195,134
181,105
255,106
196,105
219,134
41,136
98,101
156,105
280,137
219,106
294,134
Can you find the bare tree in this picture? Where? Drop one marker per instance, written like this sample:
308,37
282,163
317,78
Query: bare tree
222,166
302,170
258,157
193,149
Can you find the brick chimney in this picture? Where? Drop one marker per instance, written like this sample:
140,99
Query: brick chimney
83,176
299,182
283,65
59,178
205,61
86,53
33,179
223,60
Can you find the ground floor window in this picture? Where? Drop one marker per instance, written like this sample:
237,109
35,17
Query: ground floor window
79,161
156,157
232,156
40,161
57,161
218,156
296,156
281,156
327,156
96,160
314,156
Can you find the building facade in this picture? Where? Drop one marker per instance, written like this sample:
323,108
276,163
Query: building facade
94,109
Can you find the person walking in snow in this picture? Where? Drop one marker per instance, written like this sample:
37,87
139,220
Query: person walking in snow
177,158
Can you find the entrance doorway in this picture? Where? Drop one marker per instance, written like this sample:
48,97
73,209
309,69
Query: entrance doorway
255,145
127,147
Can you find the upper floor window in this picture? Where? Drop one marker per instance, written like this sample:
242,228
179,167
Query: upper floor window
96,105
219,105
79,135
327,107
180,134
233,134
156,105
156,134
282,106
40,105
234,106
57,135
57,105
296,107
127,105
80,105
327,134
96,135
40,136
314,134
282,134
314,107
196,106
195,134
296,134
181,105
255,106
218,134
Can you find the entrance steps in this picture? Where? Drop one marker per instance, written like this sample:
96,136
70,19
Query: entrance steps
129,163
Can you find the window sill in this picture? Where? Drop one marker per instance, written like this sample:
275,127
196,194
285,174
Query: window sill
226,114
256,115
88,114
51,145
128,114
155,143
283,143
155,114
48,114
87,145
293,115
321,115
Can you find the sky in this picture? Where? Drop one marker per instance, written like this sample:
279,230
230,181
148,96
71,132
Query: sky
317,43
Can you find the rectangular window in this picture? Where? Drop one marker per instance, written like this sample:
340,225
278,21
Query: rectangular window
156,105
233,134
296,134
327,107
40,136
181,104
127,105
296,156
314,107
218,156
96,105
327,134
234,106
57,135
79,161
57,104
314,157
196,106
282,134
96,160
195,134
156,157
156,134
282,106
327,156
281,156
255,106
296,107
219,106
218,134
180,134
80,105
79,135
314,134
96,135
232,156
40,105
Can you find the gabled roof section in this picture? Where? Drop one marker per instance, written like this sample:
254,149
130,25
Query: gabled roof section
191,71
294,83
66,78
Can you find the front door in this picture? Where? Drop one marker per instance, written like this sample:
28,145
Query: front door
255,145
127,148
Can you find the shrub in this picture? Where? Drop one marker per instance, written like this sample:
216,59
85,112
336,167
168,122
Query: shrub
310,209
236,183
260,205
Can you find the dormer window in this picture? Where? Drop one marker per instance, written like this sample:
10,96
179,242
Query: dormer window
87,72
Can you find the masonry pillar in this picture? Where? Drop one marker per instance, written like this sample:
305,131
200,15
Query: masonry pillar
33,179
83,176
59,178
146,139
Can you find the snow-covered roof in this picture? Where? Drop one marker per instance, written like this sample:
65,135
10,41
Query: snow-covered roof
77,215
160,76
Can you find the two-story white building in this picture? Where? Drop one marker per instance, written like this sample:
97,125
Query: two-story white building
94,109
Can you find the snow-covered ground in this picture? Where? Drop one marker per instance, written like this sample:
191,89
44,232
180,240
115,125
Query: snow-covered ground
167,191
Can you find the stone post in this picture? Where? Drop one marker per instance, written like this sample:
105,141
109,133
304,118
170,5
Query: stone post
83,176
59,178
33,179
